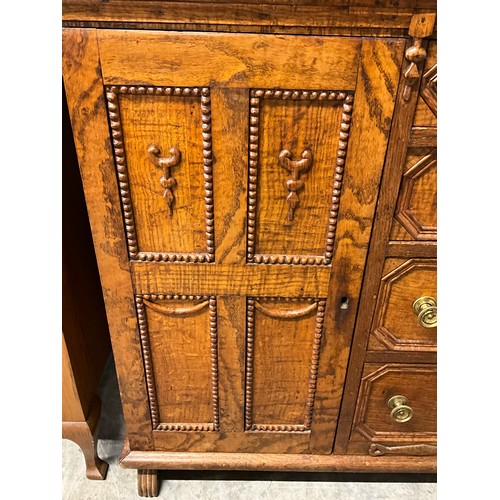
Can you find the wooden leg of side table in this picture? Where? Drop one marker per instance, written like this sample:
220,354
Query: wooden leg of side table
82,433
147,483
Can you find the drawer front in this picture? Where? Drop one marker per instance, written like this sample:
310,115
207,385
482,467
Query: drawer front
415,217
248,170
397,324
384,424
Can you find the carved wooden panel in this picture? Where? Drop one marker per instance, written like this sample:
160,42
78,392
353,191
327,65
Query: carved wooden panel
282,359
428,89
298,143
161,126
163,153
426,111
372,419
395,326
416,211
178,335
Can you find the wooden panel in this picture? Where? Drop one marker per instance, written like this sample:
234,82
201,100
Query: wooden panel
230,130
398,357
247,63
389,188
231,323
294,192
423,136
85,328
299,281
283,339
395,325
165,170
86,104
379,71
72,408
179,344
416,211
277,462
425,115
236,61
411,249
236,442
373,422
244,14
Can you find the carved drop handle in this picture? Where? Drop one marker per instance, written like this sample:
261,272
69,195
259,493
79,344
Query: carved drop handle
167,182
421,26
294,184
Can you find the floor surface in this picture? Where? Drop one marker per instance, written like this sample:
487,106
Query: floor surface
120,484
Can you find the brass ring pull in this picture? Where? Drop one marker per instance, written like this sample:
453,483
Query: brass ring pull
401,412
426,310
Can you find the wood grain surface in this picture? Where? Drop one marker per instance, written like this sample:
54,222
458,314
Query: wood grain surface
416,211
424,116
282,349
229,60
372,112
165,121
297,126
261,369
351,17
395,326
251,279
373,422
86,104
277,462
180,362
389,188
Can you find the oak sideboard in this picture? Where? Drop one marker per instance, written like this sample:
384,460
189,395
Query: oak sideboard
260,180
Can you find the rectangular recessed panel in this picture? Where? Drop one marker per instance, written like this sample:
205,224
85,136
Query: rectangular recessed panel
179,342
301,140
163,160
283,341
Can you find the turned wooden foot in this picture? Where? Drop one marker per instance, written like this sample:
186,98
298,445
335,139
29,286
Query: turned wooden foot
82,433
147,482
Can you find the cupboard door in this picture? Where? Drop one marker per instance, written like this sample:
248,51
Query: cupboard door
248,169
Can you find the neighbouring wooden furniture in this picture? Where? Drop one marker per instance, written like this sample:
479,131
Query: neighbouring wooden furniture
260,180
85,340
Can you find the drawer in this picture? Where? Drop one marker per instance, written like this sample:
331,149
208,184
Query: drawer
397,324
395,410
415,217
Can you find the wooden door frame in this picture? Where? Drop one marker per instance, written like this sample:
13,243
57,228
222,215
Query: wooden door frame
85,90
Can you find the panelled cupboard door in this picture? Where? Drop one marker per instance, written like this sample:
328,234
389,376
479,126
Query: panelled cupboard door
248,169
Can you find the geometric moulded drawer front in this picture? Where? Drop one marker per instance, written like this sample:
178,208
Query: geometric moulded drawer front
395,325
163,155
377,422
416,212
298,144
179,344
282,358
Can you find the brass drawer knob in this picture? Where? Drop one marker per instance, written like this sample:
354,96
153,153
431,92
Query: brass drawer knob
401,412
426,310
